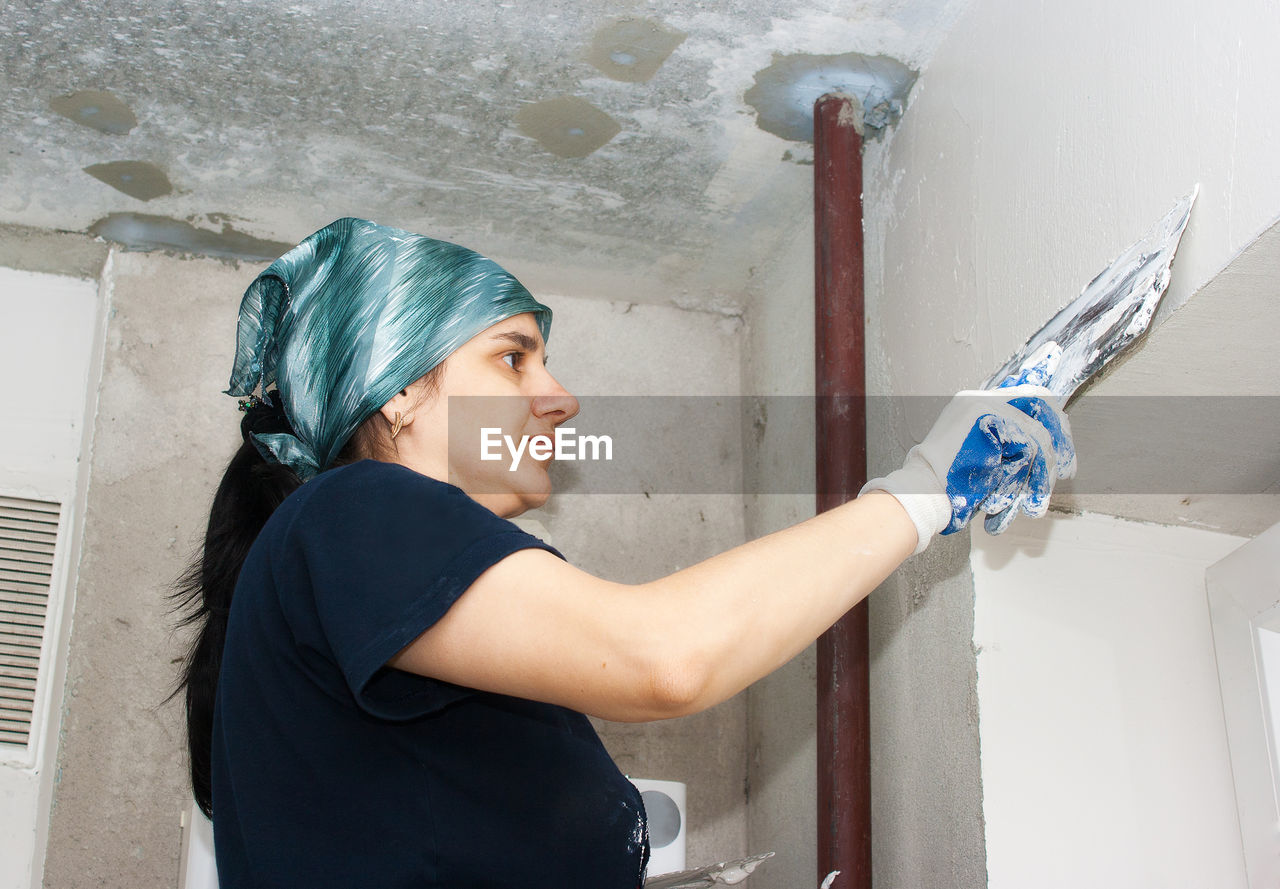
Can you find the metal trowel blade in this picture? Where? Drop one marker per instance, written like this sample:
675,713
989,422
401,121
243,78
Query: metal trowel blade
1109,314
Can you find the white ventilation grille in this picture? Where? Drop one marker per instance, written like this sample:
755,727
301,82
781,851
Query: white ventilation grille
28,533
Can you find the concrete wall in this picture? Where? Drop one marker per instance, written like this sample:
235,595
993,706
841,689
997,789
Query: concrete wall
781,777
163,434
161,439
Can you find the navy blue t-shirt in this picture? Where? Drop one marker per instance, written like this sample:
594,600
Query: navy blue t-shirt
332,770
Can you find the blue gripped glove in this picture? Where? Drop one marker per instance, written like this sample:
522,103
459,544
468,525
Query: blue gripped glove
998,451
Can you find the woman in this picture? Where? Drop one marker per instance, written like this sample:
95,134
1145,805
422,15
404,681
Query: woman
400,666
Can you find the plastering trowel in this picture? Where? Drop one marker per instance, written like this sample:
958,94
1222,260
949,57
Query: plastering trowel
1109,314
1112,311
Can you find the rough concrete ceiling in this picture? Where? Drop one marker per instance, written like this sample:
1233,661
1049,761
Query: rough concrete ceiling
274,117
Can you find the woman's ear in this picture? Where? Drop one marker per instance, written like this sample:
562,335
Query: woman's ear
413,397
398,412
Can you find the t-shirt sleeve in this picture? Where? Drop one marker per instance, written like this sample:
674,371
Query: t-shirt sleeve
387,551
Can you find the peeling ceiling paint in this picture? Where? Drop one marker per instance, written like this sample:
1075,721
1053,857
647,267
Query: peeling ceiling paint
285,114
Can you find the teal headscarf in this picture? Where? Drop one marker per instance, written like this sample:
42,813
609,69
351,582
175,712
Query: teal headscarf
351,316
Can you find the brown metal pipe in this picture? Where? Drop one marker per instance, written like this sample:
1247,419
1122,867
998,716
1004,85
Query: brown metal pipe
844,676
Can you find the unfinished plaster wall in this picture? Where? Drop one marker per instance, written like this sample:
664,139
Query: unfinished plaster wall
778,361
1038,142
927,806
163,435
159,444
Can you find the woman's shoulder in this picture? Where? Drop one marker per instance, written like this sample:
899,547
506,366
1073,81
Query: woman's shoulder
373,488
379,508
364,476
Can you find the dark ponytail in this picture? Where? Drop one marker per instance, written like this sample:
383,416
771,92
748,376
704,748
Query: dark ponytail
250,491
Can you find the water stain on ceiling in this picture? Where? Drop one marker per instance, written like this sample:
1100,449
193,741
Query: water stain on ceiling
567,126
142,231
97,109
632,50
137,179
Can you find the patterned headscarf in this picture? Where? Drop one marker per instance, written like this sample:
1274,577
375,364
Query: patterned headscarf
351,316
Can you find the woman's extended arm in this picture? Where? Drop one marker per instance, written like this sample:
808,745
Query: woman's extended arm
535,627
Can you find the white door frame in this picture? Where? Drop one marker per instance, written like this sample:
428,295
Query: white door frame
1244,607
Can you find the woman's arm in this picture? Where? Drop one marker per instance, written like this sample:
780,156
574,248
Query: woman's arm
535,627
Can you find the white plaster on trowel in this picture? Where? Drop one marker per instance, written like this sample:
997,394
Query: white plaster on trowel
1087,333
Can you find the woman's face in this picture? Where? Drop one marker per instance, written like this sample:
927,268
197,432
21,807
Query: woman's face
494,389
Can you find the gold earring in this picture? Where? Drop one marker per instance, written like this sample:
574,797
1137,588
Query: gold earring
396,426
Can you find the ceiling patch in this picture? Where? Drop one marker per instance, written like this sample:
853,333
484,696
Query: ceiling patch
633,49
97,109
137,179
139,231
784,93
567,126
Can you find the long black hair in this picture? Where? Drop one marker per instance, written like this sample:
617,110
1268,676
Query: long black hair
249,493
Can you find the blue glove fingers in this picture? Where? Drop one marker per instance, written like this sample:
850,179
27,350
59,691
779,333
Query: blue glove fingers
1000,470
989,469
1030,496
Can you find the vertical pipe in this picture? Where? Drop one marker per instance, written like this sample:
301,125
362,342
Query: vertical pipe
844,711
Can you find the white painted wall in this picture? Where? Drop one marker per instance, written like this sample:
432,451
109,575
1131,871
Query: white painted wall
49,355
46,346
1104,749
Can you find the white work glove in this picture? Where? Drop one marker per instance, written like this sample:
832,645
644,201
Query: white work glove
999,451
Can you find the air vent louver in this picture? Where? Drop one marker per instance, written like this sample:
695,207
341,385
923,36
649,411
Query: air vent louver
28,534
